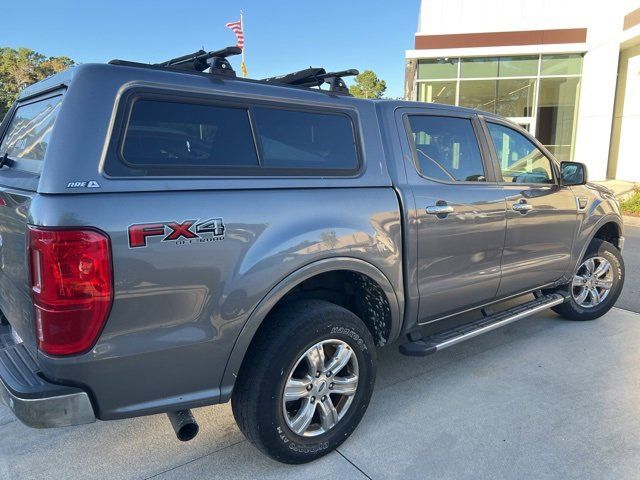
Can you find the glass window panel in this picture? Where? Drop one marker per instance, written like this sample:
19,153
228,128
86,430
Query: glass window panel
525,66
438,68
515,97
479,67
164,133
30,129
561,64
557,112
447,148
292,139
478,94
561,152
520,160
437,92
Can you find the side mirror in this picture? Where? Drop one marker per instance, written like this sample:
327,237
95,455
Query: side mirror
573,173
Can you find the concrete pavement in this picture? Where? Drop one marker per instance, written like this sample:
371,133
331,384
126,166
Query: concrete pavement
619,187
542,398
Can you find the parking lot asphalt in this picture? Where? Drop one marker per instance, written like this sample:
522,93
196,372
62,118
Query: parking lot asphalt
543,398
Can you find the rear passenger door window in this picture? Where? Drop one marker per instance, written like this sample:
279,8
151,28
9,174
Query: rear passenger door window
446,148
519,159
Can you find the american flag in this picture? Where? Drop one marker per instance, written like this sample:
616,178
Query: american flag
237,29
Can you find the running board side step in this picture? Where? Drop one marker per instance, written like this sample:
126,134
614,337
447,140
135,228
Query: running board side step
419,346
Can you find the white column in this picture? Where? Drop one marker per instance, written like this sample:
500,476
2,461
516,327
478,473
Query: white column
597,95
627,133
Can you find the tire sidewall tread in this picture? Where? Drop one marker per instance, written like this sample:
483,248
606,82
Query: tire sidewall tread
598,248
290,332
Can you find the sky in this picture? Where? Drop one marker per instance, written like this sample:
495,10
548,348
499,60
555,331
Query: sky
280,36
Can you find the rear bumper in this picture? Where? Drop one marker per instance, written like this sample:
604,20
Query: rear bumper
34,401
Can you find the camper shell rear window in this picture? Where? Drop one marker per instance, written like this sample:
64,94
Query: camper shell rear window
164,135
28,133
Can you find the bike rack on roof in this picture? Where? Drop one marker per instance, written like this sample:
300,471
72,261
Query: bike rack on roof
315,77
217,63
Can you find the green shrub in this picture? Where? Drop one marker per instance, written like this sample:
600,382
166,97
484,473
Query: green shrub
631,205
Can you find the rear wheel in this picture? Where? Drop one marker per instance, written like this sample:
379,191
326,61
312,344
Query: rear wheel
596,284
306,381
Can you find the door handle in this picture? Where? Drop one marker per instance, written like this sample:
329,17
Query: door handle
439,209
521,207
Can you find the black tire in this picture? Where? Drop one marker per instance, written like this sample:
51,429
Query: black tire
257,396
571,309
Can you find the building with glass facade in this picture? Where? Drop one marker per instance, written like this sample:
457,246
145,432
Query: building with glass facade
569,72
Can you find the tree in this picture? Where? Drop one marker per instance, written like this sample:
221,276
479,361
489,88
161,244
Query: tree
20,68
368,85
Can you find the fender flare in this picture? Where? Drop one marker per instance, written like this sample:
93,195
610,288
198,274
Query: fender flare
263,308
609,218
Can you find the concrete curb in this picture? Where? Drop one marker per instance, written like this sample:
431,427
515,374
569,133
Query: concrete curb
625,193
630,221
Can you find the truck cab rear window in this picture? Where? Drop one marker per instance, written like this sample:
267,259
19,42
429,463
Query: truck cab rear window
180,137
28,134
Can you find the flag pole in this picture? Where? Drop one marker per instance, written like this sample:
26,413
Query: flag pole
242,27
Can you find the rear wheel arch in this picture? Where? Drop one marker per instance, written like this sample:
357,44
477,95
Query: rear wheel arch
288,285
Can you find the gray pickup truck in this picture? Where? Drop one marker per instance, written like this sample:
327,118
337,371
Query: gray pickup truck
172,238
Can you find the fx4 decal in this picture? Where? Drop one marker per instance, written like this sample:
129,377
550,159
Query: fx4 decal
189,231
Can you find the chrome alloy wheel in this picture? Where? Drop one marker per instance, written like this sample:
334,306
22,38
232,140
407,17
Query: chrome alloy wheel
320,388
592,282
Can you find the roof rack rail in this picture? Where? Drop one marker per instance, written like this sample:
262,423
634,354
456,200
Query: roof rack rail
217,63
315,77
199,61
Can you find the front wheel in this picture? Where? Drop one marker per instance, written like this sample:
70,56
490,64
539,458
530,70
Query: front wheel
306,381
596,285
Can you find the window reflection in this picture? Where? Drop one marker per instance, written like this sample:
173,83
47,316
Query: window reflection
515,97
557,111
520,160
30,129
438,68
437,92
446,148
561,64
478,94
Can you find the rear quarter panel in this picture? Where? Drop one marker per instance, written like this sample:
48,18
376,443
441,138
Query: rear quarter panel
179,307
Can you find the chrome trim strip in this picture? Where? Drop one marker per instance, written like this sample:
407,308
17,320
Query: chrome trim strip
47,412
560,299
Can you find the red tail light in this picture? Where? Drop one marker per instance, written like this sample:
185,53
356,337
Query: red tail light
72,287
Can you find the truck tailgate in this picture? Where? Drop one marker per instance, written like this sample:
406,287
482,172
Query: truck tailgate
15,294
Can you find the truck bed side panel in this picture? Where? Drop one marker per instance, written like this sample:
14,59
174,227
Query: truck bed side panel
180,304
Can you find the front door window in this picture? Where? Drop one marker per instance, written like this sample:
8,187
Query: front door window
520,160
